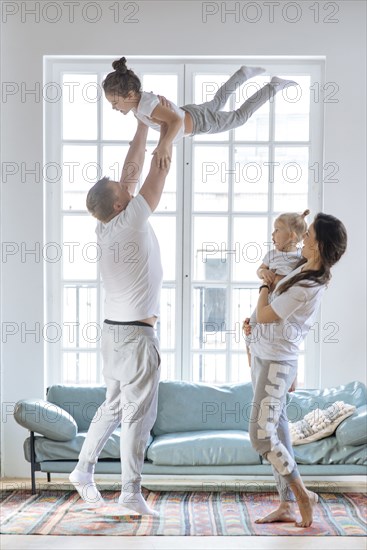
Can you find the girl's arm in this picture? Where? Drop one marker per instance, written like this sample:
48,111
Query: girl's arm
171,123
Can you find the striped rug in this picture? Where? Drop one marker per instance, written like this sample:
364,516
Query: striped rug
181,513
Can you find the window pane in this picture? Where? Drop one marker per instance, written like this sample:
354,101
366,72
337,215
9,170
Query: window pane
205,87
80,327
79,368
80,253
292,107
211,177
250,244
251,179
301,371
240,370
113,159
79,106
244,301
209,318
257,126
165,229
166,326
291,179
210,243
168,366
210,368
80,172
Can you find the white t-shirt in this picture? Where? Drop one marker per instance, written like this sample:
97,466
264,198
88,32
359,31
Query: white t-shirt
282,262
296,308
146,106
130,264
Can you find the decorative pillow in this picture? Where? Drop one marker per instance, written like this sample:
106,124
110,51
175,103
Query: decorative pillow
319,423
46,419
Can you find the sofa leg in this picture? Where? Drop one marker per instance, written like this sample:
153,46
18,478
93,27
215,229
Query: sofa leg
33,465
48,477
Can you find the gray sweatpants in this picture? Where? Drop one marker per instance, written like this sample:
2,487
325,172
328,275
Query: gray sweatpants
269,433
131,372
209,119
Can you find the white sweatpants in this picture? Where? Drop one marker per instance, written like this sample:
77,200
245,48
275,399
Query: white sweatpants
131,371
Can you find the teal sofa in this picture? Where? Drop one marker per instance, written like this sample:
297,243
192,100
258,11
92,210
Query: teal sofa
200,429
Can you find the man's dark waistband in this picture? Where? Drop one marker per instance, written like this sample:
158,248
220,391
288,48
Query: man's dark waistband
133,323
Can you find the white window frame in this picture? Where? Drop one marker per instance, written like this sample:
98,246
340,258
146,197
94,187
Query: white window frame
54,66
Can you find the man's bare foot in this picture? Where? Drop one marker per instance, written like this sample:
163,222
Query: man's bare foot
284,513
306,504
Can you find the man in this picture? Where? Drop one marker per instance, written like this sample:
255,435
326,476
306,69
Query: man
132,275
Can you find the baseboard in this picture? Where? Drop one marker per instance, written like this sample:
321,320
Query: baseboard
195,483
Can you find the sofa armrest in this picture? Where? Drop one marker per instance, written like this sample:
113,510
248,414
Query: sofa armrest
46,419
353,430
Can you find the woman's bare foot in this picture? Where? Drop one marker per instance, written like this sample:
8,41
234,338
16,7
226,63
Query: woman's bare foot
306,504
284,513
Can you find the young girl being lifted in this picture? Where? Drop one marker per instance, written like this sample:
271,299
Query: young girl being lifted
122,89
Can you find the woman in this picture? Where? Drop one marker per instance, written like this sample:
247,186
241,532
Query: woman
282,326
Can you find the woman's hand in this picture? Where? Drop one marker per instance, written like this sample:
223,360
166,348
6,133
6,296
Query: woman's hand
246,327
293,386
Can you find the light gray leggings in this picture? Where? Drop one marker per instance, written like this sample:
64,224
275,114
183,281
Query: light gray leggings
209,119
131,370
269,433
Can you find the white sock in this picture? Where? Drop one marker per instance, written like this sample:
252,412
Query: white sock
87,489
250,72
281,84
136,502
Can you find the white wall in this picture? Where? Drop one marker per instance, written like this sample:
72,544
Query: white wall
177,27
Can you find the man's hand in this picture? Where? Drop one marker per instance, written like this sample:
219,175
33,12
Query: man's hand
246,327
162,157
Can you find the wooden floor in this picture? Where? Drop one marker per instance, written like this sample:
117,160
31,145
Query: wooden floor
36,542
40,542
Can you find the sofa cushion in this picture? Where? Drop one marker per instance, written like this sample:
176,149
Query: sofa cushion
69,450
204,448
353,430
192,407
301,402
81,402
329,451
45,418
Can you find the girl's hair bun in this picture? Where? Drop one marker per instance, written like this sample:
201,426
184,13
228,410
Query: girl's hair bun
305,213
120,65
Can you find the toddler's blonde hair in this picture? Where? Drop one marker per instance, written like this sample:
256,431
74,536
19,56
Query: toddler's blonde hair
295,222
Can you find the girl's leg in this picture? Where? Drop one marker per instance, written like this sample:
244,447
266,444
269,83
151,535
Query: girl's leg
222,121
239,77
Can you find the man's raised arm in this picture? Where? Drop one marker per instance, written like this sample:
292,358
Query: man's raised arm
154,183
134,160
